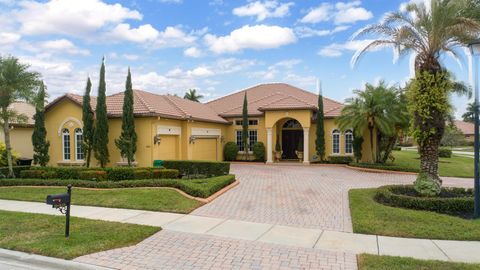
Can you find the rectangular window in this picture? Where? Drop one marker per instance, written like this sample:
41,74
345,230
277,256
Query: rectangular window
239,140
252,139
336,143
66,146
79,138
348,143
253,122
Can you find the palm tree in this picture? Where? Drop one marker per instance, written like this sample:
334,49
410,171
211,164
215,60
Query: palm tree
427,33
377,108
16,84
192,95
468,116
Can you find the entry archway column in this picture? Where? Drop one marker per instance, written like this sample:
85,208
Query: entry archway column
269,145
306,154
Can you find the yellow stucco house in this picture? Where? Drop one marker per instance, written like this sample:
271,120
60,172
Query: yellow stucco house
21,133
169,127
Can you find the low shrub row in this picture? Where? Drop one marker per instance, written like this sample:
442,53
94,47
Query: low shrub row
16,170
445,152
98,174
388,167
198,188
340,159
452,201
196,169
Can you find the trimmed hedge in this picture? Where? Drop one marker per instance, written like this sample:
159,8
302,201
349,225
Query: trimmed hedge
188,168
452,201
445,152
98,174
388,167
340,159
198,188
16,170
230,151
259,151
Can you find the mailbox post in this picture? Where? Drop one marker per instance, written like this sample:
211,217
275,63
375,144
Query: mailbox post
62,202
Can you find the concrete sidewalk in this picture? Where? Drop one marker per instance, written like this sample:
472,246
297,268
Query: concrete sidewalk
459,251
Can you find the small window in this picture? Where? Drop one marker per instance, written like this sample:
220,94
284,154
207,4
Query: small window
336,142
252,139
79,143
66,144
253,122
349,142
239,140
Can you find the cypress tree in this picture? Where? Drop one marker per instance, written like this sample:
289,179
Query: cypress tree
127,143
320,132
39,136
245,126
87,118
100,135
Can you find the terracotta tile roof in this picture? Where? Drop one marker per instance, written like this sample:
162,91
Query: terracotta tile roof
26,109
272,96
149,104
465,127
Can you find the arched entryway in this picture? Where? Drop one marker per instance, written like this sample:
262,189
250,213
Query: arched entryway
292,140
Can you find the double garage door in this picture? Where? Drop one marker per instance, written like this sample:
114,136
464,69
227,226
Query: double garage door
205,149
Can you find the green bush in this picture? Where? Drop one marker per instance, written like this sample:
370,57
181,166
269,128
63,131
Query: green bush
93,175
198,188
142,174
340,159
187,168
452,201
33,173
397,148
16,170
259,151
445,152
165,174
426,186
67,172
230,151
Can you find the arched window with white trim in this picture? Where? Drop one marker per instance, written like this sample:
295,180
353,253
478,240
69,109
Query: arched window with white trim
66,144
336,142
348,142
79,144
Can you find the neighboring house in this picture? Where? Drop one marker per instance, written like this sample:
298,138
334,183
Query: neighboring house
169,127
468,129
21,133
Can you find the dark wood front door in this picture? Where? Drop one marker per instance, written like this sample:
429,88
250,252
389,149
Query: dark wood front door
290,141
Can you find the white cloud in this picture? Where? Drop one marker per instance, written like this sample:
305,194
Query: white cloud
70,17
337,49
263,10
7,38
130,57
192,52
200,72
340,13
403,6
176,37
140,34
305,32
251,37
274,69
62,46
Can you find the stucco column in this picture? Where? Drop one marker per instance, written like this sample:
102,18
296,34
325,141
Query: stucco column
306,146
269,146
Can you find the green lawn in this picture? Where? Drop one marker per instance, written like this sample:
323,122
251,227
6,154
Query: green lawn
154,199
44,234
374,262
370,217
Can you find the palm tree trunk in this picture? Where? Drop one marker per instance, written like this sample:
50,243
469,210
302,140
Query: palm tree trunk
6,129
429,157
370,128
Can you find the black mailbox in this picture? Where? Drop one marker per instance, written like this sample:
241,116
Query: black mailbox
58,199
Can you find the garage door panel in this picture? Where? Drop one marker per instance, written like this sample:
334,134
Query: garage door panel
205,149
167,149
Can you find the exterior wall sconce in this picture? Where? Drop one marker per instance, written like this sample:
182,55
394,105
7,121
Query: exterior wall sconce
157,139
191,139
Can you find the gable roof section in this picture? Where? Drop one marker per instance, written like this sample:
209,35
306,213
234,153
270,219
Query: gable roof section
465,127
27,110
149,104
272,96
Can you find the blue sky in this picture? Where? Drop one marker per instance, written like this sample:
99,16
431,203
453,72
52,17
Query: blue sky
214,46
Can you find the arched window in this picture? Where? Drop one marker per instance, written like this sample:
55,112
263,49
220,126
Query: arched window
79,143
348,142
336,141
66,144
292,123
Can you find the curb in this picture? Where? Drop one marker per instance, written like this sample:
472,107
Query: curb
378,170
27,260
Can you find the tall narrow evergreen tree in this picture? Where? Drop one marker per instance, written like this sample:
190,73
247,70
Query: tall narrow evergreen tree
127,143
245,126
39,136
87,118
320,132
100,135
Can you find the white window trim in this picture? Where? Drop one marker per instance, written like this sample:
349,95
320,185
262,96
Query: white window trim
240,119
345,135
76,145
248,139
63,145
339,142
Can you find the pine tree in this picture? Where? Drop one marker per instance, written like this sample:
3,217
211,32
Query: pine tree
245,126
320,132
127,143
87,118
39,136
100,137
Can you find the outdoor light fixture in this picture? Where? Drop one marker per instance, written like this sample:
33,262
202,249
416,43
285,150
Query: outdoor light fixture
474,52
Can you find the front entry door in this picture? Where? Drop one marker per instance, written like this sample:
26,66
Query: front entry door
290,142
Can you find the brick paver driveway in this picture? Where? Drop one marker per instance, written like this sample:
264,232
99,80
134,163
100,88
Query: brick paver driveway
303,196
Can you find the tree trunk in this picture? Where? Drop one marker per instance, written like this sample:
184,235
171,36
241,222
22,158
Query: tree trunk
429,157
6,129
370,128
89,155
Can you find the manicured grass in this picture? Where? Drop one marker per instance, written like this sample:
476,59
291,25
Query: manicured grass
370,217
456,166
195,187
154,199
375,262
44,234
